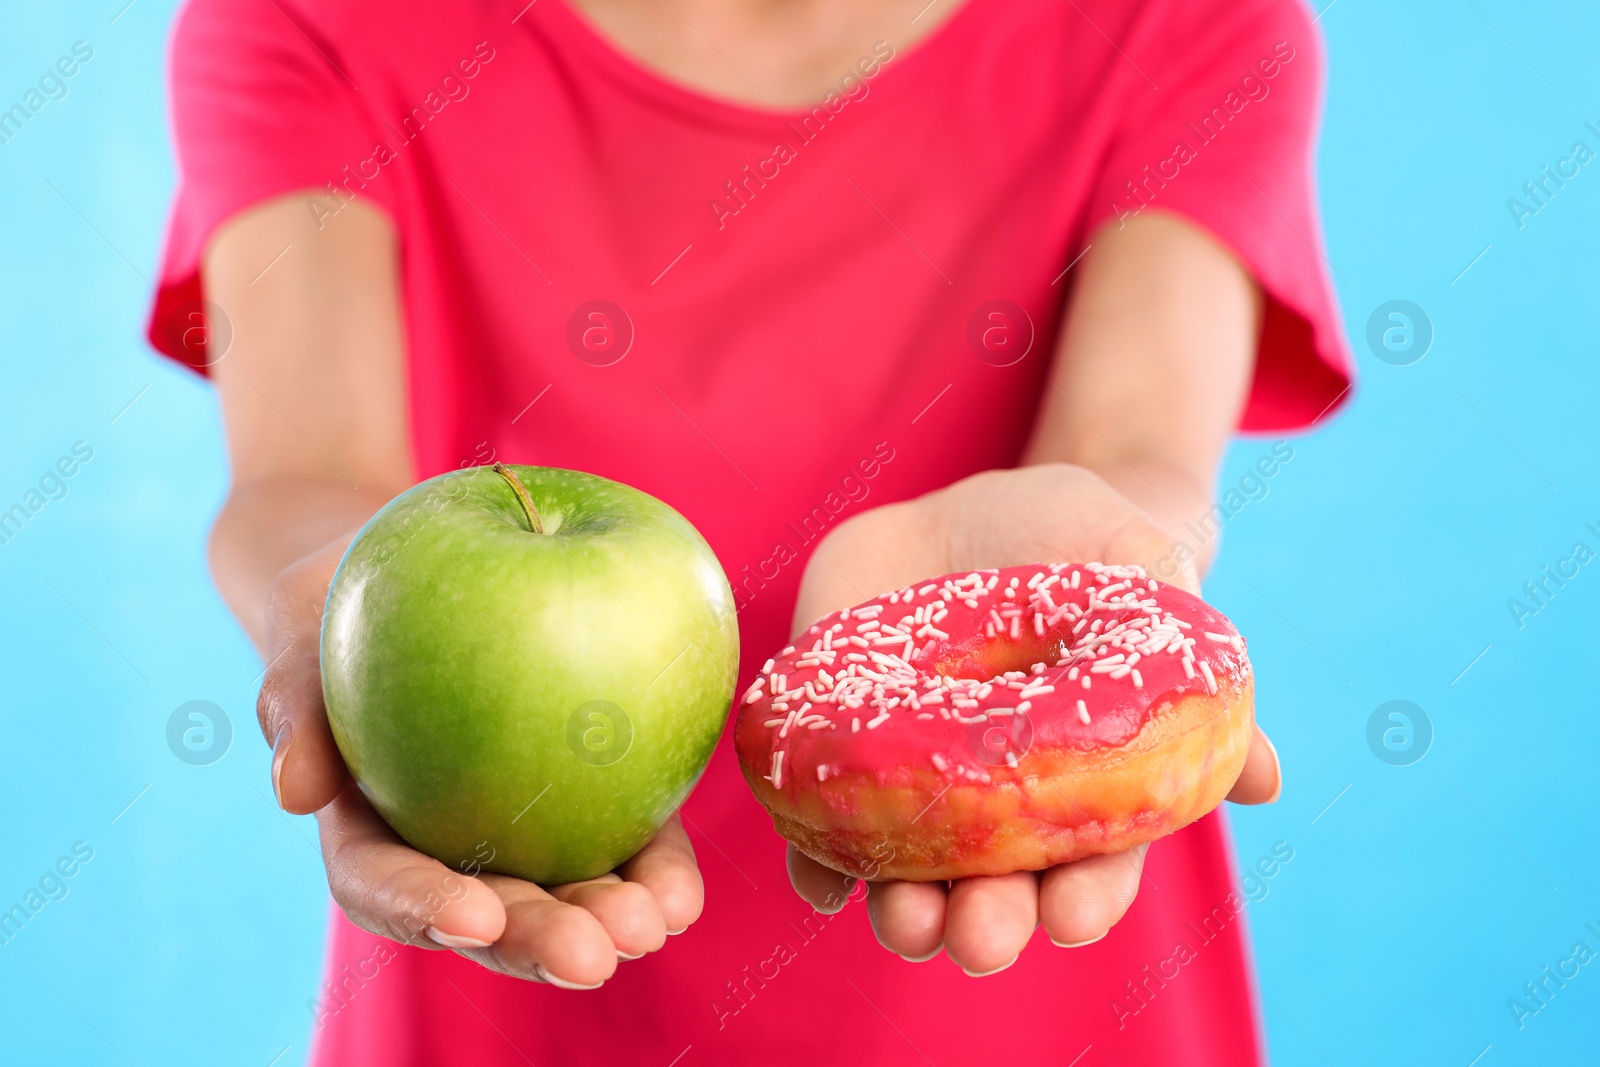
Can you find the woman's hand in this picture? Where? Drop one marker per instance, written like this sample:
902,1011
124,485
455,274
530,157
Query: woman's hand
1046,513
318,356
571,936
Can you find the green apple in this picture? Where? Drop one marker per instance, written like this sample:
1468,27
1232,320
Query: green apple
526,669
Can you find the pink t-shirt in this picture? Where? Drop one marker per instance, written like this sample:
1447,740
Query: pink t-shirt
771,320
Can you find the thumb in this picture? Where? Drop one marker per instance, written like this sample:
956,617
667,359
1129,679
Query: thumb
1261,780
307,769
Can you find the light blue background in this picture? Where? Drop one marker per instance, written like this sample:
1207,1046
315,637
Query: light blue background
1378,567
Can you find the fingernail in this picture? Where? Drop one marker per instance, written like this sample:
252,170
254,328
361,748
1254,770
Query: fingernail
985,974
280,749
1079,944
925,959
560,983
439,937
624,956
675,933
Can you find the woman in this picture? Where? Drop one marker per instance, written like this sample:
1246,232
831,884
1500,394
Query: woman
870,291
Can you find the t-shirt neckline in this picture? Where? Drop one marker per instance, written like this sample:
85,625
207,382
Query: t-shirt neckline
663,91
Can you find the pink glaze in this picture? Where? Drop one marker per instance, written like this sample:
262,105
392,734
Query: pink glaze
814,706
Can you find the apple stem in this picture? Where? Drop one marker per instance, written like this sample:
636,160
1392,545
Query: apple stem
522,496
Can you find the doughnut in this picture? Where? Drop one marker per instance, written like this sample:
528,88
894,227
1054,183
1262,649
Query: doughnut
998,721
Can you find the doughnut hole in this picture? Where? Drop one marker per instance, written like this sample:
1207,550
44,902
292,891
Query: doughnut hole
984,658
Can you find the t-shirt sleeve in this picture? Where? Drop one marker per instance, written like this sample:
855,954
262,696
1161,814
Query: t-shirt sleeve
1219,127
262,104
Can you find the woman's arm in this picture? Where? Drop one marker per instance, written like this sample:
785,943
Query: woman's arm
312,389
1152,367
313,398
1149,377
